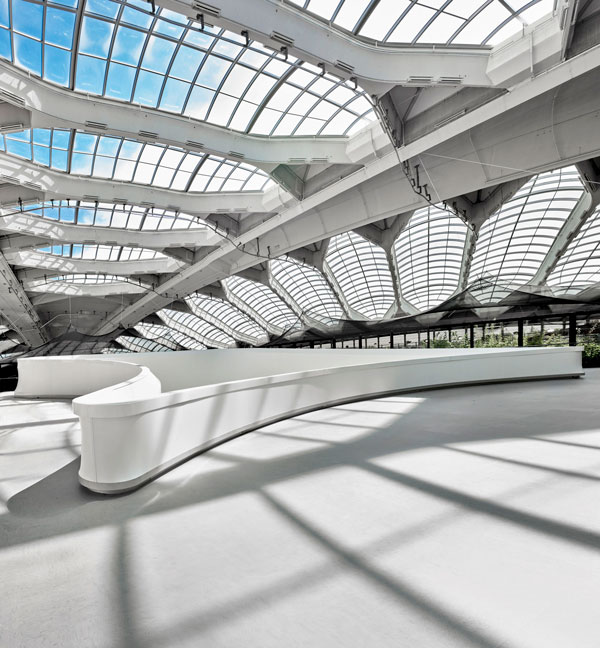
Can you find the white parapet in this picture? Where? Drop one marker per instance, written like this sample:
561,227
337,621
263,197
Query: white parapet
143,416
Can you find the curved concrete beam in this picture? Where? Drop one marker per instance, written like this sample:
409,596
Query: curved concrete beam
24,223
57,184
67,265
53,107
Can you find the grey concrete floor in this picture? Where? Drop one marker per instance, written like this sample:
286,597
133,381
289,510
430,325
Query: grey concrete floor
453,518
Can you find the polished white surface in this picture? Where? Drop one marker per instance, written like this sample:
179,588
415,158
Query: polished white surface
173,405
364,525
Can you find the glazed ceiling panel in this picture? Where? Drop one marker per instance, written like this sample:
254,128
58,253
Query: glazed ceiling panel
513,242
101,252
260,300
227,317
579,266
308,288
362,273
99,214
196,328
126,160
168,62
464,22
168,337
141,345
429,254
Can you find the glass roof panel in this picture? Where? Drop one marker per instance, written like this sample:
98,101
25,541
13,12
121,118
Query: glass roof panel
262,303
124,160
167,336
579,266
429,253
168,62
196,328
114,349
306,287
465,22
97,214
226,317
100,252
90,279
141,345
513,243
362,273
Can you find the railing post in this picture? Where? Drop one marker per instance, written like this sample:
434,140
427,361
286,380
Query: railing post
572,329
520,332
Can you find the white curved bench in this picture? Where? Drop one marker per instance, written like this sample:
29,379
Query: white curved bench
143,415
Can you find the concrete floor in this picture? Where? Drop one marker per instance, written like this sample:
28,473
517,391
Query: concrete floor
453,518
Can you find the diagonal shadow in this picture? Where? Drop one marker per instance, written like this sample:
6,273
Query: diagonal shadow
529,521
526,464
412,430
446,620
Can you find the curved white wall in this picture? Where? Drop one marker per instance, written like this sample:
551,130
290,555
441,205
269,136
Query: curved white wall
133,429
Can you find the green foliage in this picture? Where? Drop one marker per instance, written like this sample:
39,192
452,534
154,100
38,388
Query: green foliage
495,340
591,354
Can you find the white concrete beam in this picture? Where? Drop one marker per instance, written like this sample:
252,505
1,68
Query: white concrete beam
65,265
377,68
54,107
49,230
65,289
64,185
548,123
584,208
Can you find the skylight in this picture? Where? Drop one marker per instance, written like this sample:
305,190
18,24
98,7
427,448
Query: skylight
167,336
227,317
307,288
100,214
101,252
196,328
460,22
168,62
261,303
579,266
429,254
513,243
362,273
126,160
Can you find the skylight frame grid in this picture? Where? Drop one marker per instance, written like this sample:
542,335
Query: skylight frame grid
207,173
141,344
196,328
201,74
227,317
261,301
90,279
374,19
307,288
514,241
579,266
107,215
45,46
361,270
99,252
429,254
